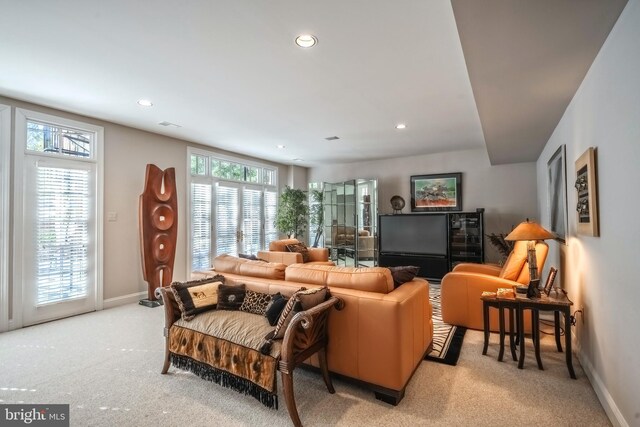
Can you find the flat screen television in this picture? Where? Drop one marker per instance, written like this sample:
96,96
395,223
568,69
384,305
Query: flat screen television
413,234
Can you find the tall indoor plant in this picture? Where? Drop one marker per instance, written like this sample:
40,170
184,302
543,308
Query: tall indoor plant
291,217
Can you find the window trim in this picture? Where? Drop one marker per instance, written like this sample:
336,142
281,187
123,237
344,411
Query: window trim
20,152
5,155
210,179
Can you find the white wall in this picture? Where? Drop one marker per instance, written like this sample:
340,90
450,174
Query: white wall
127,152
601,273
507,192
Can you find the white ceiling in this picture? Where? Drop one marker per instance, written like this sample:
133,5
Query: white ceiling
230,74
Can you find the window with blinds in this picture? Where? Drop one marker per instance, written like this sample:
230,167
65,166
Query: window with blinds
270,208
200,226
62,233
251,220
227,232
232,207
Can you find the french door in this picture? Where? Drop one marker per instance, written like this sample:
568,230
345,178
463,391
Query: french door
59,248
238,218
57,218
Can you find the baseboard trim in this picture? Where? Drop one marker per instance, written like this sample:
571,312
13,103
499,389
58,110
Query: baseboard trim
124,299
607,402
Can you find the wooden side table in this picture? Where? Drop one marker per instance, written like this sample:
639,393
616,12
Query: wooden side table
510,304
557,304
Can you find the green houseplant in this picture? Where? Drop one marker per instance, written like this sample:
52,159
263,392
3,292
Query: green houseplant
291,217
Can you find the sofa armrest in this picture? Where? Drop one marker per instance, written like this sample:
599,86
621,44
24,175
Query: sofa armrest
171,310
468,267
318,254
286,258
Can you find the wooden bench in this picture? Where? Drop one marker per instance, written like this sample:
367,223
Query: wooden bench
305,336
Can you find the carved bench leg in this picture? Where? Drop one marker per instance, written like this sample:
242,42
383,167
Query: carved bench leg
324,368
287,382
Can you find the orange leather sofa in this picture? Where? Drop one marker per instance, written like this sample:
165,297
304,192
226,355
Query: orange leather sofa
461,289
380,336
278,252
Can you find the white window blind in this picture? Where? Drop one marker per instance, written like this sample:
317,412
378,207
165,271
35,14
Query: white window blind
62,234
200,226
251,220
227,211
270,207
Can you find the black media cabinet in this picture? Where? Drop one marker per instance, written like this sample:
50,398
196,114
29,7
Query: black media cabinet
435,242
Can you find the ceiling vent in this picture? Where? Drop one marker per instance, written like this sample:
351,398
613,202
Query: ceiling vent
169,124
332,138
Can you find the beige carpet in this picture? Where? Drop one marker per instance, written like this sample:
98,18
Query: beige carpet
106,365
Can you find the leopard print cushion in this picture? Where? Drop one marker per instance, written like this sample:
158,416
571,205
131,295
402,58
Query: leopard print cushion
255,302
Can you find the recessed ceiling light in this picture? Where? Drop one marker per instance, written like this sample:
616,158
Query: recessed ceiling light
280,146
332,138
297,160
306,40
401,126
145,102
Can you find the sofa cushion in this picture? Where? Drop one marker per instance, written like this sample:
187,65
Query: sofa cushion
300,248
196,296
514,263
231,297
230,264
255,302
373,279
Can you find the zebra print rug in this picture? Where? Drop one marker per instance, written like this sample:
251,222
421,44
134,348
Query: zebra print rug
447,339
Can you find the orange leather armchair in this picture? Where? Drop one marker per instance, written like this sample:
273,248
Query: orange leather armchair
278,252
461,289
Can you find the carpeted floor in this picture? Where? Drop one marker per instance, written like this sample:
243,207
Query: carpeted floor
106,365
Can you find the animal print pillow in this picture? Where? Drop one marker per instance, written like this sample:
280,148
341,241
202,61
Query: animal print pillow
196,296
255,302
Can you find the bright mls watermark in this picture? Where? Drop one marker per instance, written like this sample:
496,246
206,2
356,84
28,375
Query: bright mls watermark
34,415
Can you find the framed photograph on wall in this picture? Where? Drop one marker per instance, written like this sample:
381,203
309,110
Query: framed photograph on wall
436,193
557,185
587,208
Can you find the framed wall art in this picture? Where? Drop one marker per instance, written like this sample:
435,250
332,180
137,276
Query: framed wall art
439,192
586,186
557,183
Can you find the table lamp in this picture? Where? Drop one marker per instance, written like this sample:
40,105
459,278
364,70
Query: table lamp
531,232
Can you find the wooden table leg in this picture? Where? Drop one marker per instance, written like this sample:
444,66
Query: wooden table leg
556,322
485,315
501,317
520,313
535,331
567,341
512,332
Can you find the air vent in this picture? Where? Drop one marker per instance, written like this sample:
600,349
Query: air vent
169,124
332,138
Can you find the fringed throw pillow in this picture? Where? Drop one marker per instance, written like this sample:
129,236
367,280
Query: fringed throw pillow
275,307
255,302
196,296
230,297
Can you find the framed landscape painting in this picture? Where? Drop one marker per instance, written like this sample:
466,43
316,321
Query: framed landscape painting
434,193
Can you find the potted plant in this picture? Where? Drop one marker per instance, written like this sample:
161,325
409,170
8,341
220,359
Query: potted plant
291,217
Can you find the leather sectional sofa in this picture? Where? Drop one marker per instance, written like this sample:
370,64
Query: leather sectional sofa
380,336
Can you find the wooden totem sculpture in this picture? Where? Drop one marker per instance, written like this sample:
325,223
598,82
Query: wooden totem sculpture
158,214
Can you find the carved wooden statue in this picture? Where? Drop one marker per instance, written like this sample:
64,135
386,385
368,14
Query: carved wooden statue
158,214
